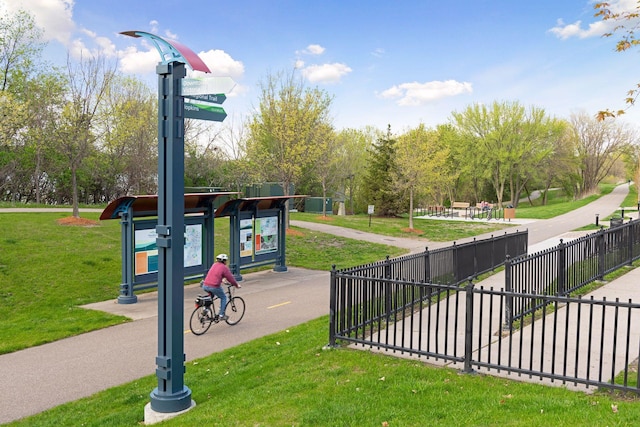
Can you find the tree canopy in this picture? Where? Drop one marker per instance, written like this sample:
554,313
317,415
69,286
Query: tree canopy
88,134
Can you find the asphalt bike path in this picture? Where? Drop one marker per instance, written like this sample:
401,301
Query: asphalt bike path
43,377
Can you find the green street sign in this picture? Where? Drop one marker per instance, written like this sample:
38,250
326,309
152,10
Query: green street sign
202,111
215,99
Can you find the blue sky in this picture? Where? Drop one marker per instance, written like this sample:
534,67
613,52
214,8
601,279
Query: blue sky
385,62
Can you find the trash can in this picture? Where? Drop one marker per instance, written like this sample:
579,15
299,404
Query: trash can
615,222
509,213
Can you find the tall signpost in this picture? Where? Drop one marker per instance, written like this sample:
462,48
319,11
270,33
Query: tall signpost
171,396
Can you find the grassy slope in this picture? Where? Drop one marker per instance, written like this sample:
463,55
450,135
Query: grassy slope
288,379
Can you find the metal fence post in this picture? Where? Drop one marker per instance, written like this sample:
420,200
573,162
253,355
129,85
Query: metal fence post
629,235
600,249
332,307
427,266
493,250
468,328
562,278
475,257
454,250
387,288
508,286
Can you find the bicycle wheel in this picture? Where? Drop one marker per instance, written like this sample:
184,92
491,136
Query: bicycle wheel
234,310
199,323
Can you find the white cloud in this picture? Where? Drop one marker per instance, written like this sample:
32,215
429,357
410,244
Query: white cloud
171,35
134,61
598,28
222,64
53,16
312,49
325,73
414,94
378,53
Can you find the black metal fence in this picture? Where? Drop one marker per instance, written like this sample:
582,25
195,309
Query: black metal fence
569,266
579,343
369,288
452,265
471,212
415,305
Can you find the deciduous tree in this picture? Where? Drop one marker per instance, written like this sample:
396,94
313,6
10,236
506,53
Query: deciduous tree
600,144
351,152
420,160
129,137
89,80
510,140
286,134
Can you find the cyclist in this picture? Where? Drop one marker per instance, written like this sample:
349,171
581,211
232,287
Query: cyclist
213,282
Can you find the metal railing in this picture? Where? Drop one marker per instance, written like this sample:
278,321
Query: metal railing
416,305
569,266
452,265
579,343
471,212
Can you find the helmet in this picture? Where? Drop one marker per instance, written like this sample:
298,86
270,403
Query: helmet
222,257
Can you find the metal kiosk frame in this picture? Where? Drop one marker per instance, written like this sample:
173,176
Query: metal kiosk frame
138,212
257,232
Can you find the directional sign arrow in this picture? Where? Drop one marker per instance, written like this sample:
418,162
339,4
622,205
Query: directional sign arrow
206,85
215,99
201,111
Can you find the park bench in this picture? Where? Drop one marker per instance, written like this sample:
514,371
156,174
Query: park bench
459,206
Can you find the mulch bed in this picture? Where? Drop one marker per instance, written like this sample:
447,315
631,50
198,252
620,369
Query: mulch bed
78,222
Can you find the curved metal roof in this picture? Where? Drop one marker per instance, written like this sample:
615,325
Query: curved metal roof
193,203
252,203
148,205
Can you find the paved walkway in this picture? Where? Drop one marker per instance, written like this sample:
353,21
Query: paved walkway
42,377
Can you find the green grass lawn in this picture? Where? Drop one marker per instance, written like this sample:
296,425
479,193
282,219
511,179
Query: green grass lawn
48,270
282,379
53,269
288,379
434,230
557,204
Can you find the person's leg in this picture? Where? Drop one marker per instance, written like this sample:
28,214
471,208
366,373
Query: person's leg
219,292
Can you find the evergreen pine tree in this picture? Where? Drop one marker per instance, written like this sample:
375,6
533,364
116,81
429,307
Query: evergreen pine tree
379,183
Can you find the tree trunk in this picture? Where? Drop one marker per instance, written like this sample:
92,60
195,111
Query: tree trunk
324,197
411,208
37,176
74,192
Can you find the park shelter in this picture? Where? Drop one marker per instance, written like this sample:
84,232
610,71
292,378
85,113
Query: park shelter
138,219
257,232
257,236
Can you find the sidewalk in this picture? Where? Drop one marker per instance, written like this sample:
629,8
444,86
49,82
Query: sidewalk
42,377
547,344
39,378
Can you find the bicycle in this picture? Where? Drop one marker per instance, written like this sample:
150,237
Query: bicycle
205,312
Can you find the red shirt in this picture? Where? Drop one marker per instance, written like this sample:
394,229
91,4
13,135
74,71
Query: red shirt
217,271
